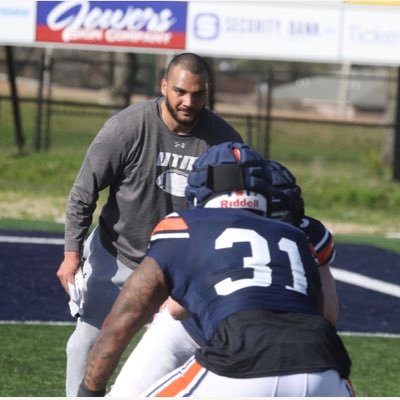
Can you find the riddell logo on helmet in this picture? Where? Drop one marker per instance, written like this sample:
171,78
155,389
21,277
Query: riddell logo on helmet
249,200
241,203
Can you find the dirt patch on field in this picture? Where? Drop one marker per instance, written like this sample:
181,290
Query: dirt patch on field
13,206
40,208
349,228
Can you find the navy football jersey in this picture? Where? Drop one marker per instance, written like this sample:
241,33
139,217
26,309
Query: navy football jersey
218,262
321,239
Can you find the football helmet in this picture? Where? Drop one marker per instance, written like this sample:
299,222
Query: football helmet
230,175
286,202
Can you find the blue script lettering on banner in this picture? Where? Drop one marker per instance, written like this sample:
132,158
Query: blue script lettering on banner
155,24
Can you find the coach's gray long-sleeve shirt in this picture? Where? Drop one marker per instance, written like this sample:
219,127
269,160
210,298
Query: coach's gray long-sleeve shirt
145,167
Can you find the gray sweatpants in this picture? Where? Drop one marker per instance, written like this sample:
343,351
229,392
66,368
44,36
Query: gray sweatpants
103,278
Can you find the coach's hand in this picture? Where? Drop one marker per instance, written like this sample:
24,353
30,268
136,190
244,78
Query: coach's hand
66,272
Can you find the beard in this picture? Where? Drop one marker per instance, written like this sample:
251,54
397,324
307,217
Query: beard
187,121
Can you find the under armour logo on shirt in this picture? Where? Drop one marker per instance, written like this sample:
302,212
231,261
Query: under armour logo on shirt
180,144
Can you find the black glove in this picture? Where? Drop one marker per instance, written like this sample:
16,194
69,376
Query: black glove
83,391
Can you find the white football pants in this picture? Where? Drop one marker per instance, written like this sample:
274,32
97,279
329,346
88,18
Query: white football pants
164,346
194,380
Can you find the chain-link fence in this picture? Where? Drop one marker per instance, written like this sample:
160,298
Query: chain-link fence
65,97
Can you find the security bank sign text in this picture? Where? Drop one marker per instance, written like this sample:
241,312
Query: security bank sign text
263,30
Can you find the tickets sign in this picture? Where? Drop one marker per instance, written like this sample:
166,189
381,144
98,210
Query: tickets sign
371,37
150,24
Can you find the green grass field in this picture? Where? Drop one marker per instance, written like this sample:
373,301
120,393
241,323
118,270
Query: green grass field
32,361
344,184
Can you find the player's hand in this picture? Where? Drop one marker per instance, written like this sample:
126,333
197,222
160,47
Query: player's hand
66,272
176,310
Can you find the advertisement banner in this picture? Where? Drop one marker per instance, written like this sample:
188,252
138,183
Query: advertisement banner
149,24
371,36
264,31
17,21
373,2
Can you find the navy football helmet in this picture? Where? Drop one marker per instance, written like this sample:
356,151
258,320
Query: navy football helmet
286,203
230,175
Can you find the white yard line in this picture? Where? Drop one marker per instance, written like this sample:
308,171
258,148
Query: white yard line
59,323
370,334
13,322
30,240
365,282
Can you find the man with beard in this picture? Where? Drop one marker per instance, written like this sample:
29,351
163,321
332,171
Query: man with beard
143,155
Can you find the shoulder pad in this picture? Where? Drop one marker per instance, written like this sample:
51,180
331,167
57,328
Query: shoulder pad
321,239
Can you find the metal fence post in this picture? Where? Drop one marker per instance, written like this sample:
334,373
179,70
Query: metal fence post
396,147
39,106
19,135
48,63
268,117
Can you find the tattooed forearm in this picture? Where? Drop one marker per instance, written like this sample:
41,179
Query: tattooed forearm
140,298
143,293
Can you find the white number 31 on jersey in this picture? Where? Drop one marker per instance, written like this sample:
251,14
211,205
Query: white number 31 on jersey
259,262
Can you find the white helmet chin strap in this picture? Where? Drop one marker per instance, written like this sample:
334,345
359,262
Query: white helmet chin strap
242,199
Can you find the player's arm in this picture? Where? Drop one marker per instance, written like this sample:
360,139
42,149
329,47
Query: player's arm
322,240
331,302
326,254
139,300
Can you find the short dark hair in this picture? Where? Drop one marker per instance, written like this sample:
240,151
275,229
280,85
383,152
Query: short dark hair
190,62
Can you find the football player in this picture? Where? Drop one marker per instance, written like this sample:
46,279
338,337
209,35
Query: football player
168,343
250,282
